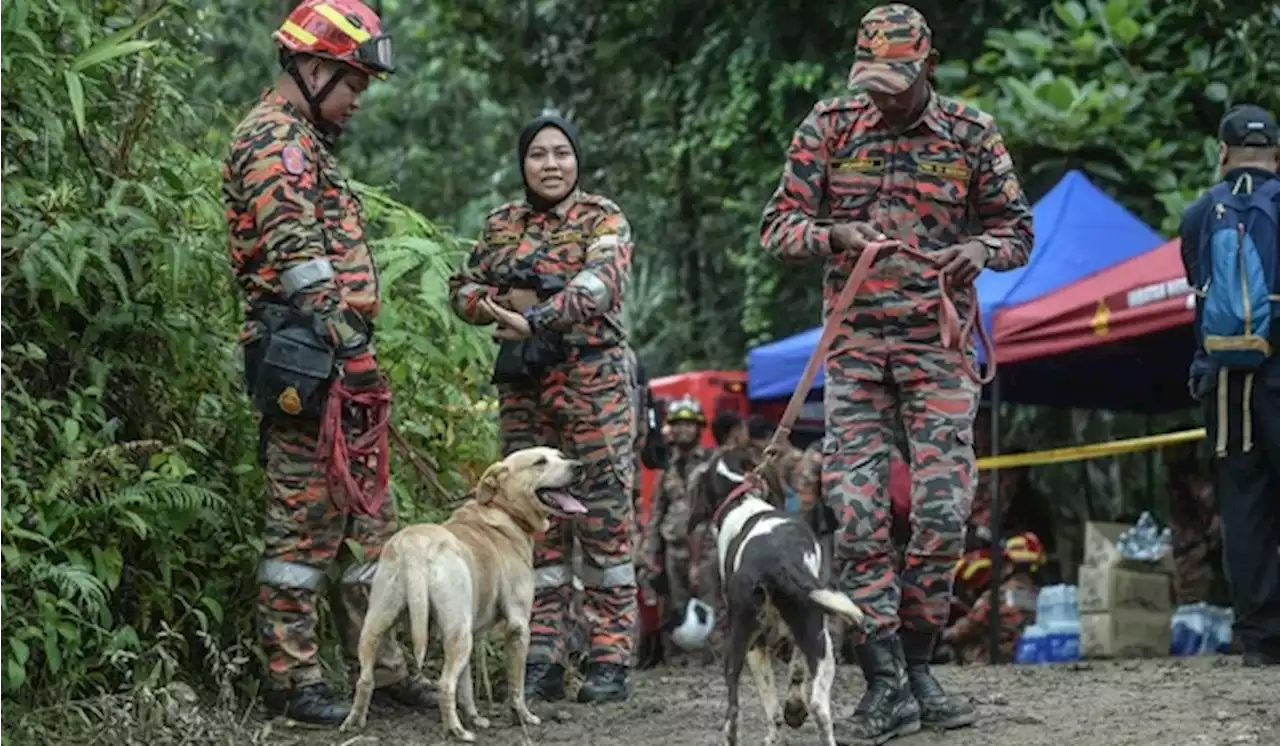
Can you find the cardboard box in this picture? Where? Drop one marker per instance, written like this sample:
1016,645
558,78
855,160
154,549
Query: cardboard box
1100,549
1125,633
1103,589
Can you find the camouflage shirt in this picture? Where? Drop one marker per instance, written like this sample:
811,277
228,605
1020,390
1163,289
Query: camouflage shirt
924,186
289,210
584,241
671,507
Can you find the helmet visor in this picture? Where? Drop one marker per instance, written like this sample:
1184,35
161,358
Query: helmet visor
376,54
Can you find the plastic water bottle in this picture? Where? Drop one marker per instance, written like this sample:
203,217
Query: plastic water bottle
1061,623
1144,541
1049,616
1217,638
1031,645
1070,626
1187,635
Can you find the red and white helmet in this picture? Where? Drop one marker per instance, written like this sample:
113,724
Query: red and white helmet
1025,549
345,31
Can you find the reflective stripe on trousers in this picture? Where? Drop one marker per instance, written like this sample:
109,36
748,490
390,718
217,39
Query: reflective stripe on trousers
286,574
554,576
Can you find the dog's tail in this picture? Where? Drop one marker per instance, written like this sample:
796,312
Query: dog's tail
838,604
416,585
792,579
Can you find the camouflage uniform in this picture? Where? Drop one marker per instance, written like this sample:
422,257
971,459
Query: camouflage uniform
667,536
924,186
1197,539
288,206
1017,611
583,405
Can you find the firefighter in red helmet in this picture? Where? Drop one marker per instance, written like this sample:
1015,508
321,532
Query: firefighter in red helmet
299,253
325,44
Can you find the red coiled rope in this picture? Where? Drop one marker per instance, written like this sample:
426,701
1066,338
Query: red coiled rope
371,445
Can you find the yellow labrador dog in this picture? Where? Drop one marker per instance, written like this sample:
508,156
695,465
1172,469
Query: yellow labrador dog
470,573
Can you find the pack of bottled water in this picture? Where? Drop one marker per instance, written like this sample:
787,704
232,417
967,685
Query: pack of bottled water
1200,629
1055,635
1144,541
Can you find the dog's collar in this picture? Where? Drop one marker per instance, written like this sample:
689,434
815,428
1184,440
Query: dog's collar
745,483
528,529
522,525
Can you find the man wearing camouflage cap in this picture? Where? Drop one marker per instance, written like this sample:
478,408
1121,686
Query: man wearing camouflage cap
895,161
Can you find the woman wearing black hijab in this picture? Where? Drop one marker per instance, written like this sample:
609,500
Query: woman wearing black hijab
550,271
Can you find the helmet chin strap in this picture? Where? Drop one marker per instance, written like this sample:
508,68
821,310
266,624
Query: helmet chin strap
329,129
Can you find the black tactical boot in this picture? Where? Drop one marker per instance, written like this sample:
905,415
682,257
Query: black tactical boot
606,682
412,692
937,708
314,705
887,709
544,681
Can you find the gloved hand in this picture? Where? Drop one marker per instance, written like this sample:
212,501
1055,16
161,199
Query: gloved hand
360,373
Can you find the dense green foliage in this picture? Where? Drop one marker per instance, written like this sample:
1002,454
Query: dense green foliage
131,496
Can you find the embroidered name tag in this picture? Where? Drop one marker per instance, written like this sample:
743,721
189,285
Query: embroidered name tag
566,237
864,164
949,170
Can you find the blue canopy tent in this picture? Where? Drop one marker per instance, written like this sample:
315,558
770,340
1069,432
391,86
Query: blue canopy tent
1079,231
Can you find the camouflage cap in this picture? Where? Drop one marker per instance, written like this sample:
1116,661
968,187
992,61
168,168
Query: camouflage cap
893,43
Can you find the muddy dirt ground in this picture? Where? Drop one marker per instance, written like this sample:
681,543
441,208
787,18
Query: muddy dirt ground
1143,703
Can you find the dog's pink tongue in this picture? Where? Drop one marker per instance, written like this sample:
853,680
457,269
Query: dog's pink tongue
567,503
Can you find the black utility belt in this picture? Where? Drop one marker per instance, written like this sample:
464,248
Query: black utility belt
291,368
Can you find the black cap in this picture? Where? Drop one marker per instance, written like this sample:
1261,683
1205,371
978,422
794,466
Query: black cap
1250,126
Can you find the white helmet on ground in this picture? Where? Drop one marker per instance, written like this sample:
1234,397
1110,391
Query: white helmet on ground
695,628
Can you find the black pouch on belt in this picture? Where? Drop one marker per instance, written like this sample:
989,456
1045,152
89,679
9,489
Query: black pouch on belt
526,361
295,370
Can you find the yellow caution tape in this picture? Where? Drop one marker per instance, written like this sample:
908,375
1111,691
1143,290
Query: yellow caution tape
1093,450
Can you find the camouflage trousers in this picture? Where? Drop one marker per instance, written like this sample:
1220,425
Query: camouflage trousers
583,408
707,586
303,536
869,390
675,563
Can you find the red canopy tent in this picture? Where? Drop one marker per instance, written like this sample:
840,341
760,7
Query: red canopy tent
1143,295
1120,339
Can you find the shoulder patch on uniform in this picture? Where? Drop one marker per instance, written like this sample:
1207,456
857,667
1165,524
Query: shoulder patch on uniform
1012,189
294,160
1001,159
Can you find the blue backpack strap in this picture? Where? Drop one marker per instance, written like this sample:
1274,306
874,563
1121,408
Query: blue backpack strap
1218,194
1269,193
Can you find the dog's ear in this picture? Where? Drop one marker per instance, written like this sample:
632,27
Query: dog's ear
491,482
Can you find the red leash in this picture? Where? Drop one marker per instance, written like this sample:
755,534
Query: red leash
338,451
954,335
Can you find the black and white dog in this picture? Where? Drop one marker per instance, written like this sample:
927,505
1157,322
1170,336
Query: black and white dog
775,573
